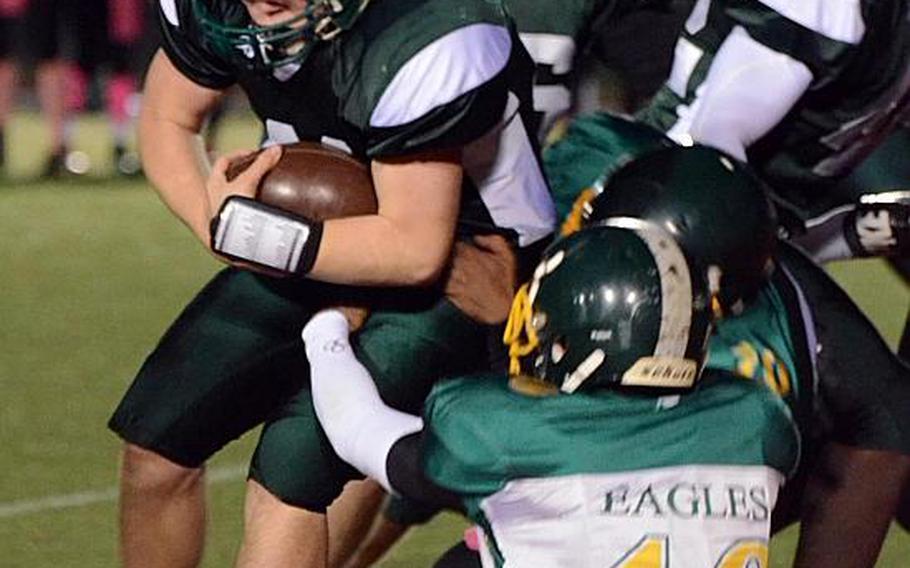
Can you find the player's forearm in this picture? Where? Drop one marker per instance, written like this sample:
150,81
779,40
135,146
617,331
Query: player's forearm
360,427
375,251
173,158
409,241
848,506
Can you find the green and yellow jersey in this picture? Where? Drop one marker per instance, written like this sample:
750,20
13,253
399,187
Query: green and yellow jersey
613,479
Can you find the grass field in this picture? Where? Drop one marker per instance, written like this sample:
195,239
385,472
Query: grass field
91,273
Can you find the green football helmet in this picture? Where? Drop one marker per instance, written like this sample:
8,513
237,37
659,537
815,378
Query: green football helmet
265,48
611,306
712,205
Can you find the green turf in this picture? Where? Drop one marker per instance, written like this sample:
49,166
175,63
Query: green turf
92,273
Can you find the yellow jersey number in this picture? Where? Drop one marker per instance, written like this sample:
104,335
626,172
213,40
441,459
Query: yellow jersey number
652,551
764,364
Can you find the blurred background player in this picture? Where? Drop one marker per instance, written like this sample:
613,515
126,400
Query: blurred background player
11,12
111,52
82,52
46,23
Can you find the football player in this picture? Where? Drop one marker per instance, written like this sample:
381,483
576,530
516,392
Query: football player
11,12
562,39
566,38
805,91
435,98
790,336
561,466
850,387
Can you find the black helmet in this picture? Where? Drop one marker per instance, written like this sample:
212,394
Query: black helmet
608,307
714,207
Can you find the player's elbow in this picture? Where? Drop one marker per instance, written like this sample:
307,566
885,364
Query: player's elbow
425,268
422,257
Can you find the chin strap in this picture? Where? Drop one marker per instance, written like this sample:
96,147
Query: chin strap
520,335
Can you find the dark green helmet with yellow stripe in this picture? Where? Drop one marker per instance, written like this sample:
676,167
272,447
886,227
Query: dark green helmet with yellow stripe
233,36
611,306
714,207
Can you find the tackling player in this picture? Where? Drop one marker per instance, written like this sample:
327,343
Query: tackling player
436,100
864,413
564,466
792,338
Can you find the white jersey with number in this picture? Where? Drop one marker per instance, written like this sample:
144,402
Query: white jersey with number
611,480
664,517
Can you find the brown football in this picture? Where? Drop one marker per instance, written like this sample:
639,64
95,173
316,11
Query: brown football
315,181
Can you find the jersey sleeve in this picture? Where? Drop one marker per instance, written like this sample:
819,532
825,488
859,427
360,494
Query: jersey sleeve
462,450
740,66
864,389
181,40
450,92
418,498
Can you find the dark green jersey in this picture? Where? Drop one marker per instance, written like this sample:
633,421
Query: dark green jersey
410,76
840,72
555,34
771,343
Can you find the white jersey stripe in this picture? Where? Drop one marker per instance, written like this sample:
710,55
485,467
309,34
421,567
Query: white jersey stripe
841,20
552,98
169,7
685,58
594,520
441,72
503,167
698,17
278,132
550,49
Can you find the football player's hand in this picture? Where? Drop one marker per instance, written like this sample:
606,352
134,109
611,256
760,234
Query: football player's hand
356,315
482,278
244,184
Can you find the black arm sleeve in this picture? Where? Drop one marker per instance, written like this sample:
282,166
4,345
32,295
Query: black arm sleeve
864,389
405,472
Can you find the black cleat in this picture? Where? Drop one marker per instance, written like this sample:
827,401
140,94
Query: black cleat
54,167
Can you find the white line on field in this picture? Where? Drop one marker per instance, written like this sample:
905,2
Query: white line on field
82,498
